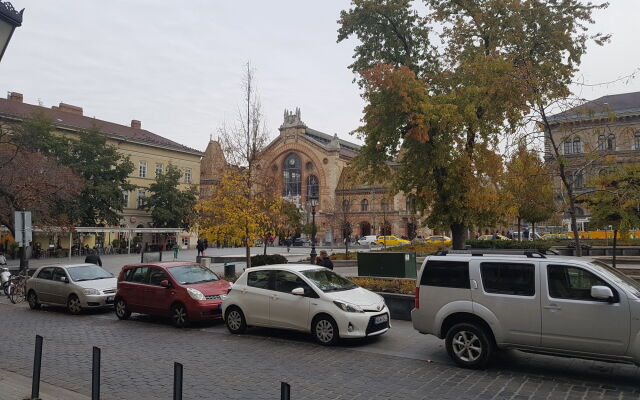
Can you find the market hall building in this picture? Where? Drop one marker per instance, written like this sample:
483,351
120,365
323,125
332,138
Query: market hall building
304,163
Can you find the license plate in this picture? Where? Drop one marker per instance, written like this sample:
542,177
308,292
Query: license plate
109,299
381,319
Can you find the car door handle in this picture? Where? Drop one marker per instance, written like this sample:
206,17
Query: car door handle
274,297
553,307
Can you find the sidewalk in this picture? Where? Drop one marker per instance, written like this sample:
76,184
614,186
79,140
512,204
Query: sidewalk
17,387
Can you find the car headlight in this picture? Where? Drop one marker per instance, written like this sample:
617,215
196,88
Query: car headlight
91,291
348,307
195,294
223,296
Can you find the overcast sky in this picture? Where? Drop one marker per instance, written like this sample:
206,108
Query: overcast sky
177,65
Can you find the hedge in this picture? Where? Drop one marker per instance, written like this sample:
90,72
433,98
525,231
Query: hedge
541,245
269,259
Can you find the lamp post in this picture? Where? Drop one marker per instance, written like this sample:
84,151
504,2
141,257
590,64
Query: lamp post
10,19
314,202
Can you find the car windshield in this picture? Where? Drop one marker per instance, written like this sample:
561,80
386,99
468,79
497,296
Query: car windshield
188,274
88,273
627,283
327,280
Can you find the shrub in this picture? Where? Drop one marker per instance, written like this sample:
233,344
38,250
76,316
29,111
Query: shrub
269,259
541,245
341,256
386,285
417,248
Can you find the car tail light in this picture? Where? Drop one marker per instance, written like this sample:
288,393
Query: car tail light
418,297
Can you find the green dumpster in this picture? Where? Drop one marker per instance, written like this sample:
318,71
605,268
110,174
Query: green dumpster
391,264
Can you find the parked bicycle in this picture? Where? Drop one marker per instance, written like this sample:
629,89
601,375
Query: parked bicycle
17,288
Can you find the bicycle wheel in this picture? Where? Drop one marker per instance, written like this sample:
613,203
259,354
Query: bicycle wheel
17,293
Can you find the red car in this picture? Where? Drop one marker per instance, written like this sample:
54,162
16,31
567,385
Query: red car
183,291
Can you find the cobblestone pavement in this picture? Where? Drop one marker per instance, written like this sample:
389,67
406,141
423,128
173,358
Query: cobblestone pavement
138,356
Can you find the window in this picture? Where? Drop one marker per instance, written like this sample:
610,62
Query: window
636,141
313,187
452,274
141,195
142,171
139,275
194,273
187,175
578,181
125,198
58,274
185,241
292,176
504,278
364,205
46,273
602,142
258,279
346,205
611,142
287,281
384,206
159,169
572,283
411,205
156,276
568,147
577,146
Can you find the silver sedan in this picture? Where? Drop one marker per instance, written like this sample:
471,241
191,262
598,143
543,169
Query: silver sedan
77,287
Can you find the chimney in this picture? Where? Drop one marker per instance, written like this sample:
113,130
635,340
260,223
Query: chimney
135,124
68,108
15,96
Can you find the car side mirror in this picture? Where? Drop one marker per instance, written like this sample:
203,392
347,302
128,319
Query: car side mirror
64,279
298,291
165,283
601,293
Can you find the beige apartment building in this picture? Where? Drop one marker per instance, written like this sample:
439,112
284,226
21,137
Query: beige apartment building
149,152
594,137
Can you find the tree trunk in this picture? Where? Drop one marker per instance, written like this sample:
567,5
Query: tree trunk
458,236
246,246
265,246
519,229
533,231
615,243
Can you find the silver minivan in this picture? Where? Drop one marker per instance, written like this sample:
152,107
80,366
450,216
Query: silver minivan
567,306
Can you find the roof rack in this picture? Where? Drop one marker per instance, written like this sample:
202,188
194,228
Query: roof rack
482,252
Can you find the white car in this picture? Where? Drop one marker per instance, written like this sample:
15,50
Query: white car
305,298
367,240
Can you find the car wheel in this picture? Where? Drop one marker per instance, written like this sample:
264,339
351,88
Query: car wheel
122,311
32,297
73,305
235,321
469,345
179,315
325,330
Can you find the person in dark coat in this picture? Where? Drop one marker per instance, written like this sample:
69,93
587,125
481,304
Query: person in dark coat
93,258
200,247
324,260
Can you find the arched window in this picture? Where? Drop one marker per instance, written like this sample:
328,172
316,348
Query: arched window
384,206
577,146
364,205
346,205
578,180
636,141
292,176
611,142
313,187
411,205
567,146
602,142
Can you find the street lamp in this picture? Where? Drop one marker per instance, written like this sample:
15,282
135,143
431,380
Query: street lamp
10,19
314,202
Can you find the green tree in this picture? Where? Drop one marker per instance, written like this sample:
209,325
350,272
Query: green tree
105,172
615,202
171,207
528,187
438,111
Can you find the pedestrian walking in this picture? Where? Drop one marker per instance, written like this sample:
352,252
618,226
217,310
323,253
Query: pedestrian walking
200,247
93,258
324,260
3,259
287,243
176,249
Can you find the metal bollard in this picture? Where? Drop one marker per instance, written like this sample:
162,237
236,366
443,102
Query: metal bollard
177,381
95,374
37,363
285,391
